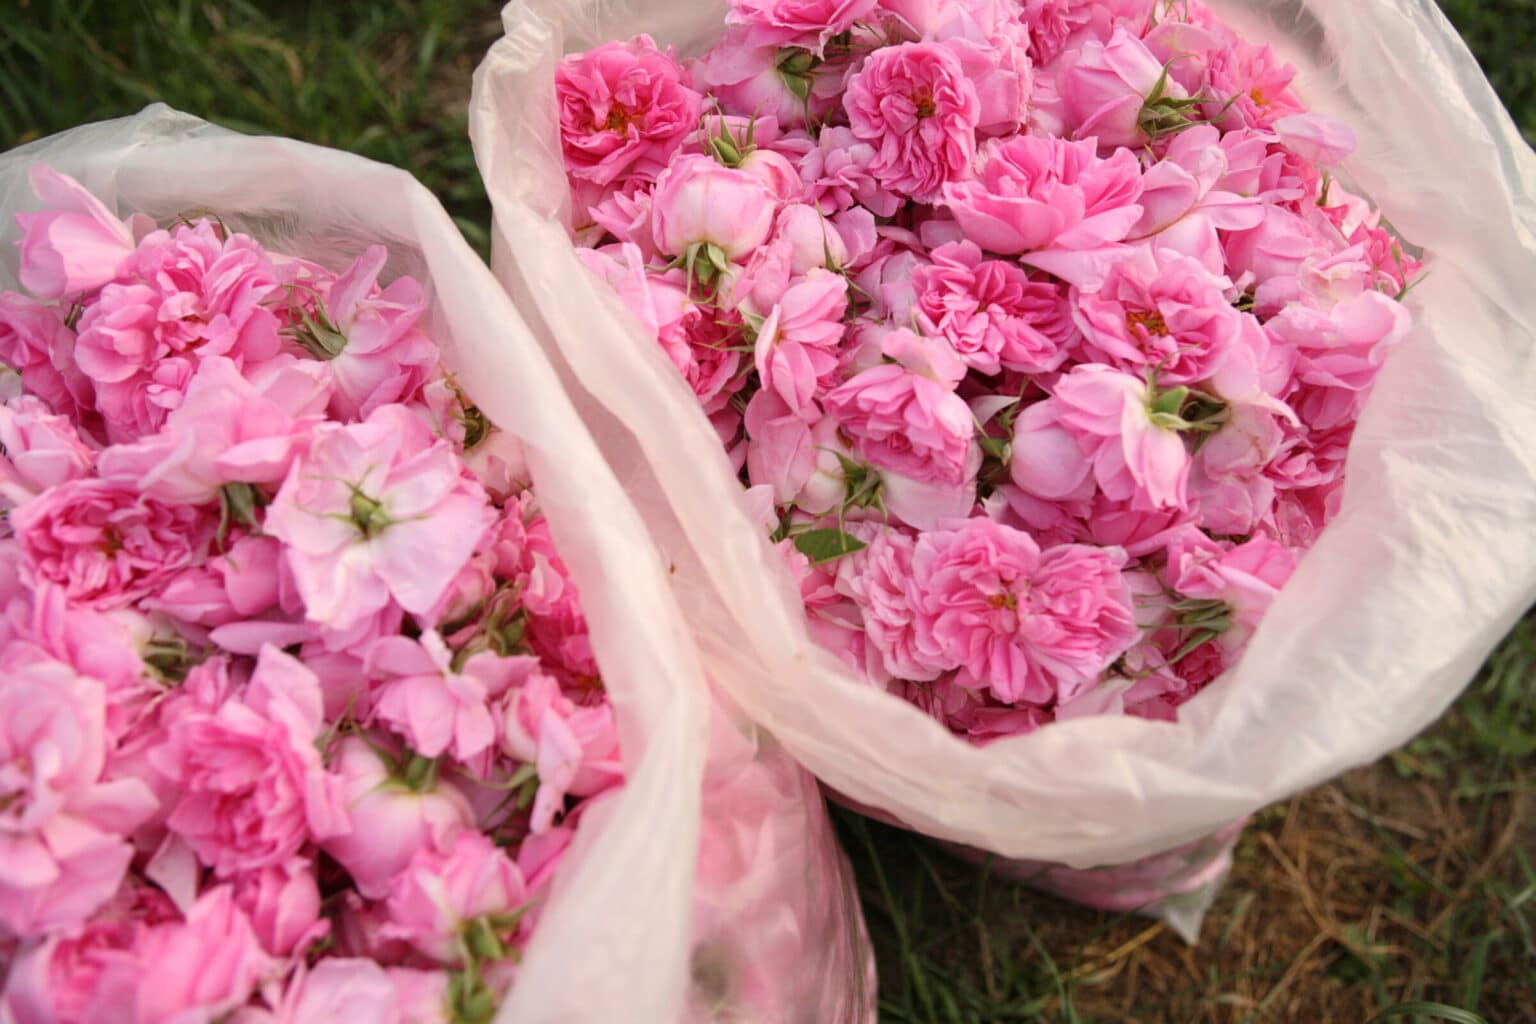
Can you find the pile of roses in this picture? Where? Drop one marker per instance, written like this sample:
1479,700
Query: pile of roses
1036,329
298,709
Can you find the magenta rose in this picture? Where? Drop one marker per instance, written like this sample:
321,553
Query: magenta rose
916,106
105,544
625,108
990,311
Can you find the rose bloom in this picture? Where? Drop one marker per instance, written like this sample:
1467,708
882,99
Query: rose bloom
375,511
749,81
251,787
806,24
441,890
1162,311
105,544
915,105
35,343
907,423
877,578
38,449
1249,87
75,245
1035,628
1032,193
1101,88
989,311
698,201
625,108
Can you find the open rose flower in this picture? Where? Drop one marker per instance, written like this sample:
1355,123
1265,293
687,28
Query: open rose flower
575,749
1032,627
625,108
805,24
905,422
989,311
914,104
75,245
38,450
442,890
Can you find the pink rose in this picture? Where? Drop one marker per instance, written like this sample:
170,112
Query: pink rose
441,891
376,511
228,429
335,989
527,559
378,355
199,969
105,544
797,345
700,202
1036,194
75,245
1054,25
38,450
252,787
805,24
391,820
575,749
906,423
1344,347
61,823
765,81
35,343
1098,427
182,295
989,311
878,580
1034,628
1101,88
1249,87
836,172
1162,312
914,104
440,706
625,108
282,902
985,36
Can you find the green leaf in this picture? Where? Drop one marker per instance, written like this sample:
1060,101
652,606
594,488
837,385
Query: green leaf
827,545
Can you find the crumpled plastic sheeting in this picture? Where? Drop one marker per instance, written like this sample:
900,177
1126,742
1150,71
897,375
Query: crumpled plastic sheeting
616,940
1429,563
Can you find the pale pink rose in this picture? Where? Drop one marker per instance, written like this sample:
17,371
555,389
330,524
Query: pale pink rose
575,749
282,902
836,172
376,511
1033,628
1344,347
252,786
436,705
804,24
1101,87
383,357
915,105
1248,87
197,970
36,344
55,981
796,349
336,989
421,995
811,240
625,108
906,423
228,429
442,890
625,215
1245,578
61,823
1159,312
700,202
1316,137
783,454
38,450
105,544
1105,415
242,582
73,246
877,579
182,295
1047,194
989,311
776,172
390,819
1183,184
765,81
1270,256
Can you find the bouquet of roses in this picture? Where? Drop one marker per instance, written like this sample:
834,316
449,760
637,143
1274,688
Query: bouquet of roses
1034,336
303,717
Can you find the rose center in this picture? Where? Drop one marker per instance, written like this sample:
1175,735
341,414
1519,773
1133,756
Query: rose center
923,103
1004,600
618,121
111,542
368,514
1257,95
1149,320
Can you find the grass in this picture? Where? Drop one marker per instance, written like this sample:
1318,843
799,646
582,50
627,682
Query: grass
1403,892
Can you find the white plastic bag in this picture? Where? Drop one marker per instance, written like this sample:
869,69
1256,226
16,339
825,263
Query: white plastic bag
1429,563
616,941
